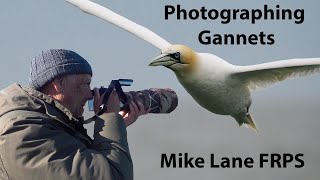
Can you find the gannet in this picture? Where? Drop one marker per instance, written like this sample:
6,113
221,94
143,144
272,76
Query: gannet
218,86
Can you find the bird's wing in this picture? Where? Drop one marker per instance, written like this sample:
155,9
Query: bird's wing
120,21
263,75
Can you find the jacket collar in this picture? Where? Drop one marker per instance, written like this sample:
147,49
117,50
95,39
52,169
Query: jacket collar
48,101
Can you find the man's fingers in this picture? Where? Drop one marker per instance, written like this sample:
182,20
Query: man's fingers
113,104
134,107
97,100
142,111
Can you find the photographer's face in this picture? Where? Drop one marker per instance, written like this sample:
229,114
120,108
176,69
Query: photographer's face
76,92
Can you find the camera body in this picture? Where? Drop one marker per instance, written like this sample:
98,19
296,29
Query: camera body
117,85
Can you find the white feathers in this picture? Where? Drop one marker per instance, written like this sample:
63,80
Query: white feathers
120,21
217,85
266,74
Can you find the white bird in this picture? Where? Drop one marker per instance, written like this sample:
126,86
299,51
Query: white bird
215,84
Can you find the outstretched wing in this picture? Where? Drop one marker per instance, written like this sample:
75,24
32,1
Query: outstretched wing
120,21
267,74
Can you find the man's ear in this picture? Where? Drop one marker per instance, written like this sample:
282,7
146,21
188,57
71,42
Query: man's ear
59,84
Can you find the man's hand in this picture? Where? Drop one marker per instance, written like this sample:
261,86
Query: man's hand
136,110
113,104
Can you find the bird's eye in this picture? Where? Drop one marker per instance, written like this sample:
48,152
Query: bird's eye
177,55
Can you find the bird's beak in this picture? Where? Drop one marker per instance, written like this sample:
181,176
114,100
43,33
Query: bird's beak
160,60
163,60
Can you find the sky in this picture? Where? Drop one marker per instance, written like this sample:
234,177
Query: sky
287,114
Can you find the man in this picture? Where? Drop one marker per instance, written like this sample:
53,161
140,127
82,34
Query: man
41,127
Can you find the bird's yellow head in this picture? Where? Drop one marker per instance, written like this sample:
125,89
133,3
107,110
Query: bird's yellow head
178,58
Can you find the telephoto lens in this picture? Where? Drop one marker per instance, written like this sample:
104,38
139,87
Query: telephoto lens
157,99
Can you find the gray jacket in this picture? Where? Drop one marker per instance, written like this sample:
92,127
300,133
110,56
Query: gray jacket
40,139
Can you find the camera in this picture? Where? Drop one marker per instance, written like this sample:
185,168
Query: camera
159,100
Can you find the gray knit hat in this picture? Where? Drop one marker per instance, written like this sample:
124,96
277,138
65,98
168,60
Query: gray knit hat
53,63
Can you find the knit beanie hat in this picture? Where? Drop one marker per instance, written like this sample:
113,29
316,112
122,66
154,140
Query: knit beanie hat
53,63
